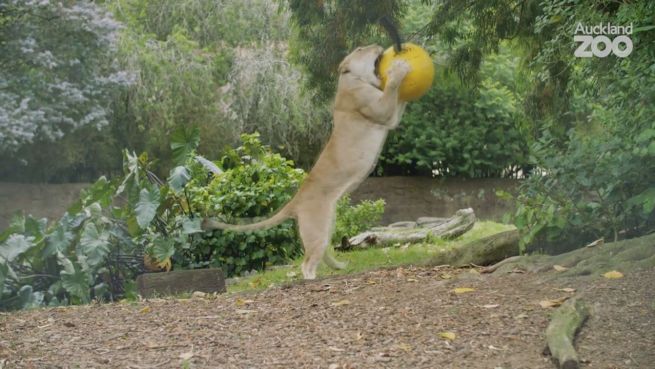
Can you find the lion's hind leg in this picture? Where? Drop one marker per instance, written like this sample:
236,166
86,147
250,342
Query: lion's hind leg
315,226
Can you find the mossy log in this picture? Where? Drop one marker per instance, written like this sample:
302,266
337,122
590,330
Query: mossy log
633,254
565,322
484,251
413,232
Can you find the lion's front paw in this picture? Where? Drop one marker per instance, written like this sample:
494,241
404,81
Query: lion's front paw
399,70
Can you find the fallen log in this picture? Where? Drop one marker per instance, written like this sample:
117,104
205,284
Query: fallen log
413,232
565,322
485,251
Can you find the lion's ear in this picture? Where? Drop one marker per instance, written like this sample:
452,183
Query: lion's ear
343,67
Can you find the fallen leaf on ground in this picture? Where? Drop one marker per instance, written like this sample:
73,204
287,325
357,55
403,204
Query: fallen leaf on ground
450,336
553,303
341,303
412,280
242,302
460,290
405,347
446,276
145,310
567,289
490,306
559,268
245,311
186,355
613,275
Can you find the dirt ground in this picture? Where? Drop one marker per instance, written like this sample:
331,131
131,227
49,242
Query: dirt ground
398,318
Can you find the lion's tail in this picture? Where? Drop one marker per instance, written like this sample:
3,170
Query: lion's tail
279,217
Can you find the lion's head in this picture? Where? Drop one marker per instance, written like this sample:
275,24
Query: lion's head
362,64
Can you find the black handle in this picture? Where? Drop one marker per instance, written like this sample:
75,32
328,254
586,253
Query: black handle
392,31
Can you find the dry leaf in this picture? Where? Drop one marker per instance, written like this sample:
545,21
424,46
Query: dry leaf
341,303
450,336
460,290
412,280
256,283
244,311
567,289
559,268
490,306
186,355
405,347
145,310
371,281
446,276
242,302
199,294
553,303
613,275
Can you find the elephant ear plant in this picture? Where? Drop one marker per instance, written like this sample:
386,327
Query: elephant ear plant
98,247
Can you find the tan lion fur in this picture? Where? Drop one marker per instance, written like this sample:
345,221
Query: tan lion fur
363,115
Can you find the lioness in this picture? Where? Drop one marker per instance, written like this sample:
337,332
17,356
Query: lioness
363,114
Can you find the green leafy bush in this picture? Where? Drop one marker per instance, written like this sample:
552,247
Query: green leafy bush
456,132
254,183
96,249
588,190
352,220
87,254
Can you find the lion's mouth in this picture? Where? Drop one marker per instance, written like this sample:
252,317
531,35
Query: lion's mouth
376,71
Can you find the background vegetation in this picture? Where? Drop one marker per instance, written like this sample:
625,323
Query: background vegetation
152,77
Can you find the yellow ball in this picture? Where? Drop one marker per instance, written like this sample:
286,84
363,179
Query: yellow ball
418,80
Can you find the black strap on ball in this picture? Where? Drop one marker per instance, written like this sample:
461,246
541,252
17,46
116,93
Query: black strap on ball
392,31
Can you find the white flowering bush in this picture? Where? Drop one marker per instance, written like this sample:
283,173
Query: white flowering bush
57,69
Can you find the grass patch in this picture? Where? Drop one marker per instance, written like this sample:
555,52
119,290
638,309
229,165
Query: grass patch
367,259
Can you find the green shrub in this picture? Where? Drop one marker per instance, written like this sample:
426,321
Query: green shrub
255,183
352,220
457,132
87,254
600,186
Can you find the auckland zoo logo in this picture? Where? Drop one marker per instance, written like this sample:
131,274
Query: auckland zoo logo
602,39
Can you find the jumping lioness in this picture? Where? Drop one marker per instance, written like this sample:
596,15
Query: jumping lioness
363,114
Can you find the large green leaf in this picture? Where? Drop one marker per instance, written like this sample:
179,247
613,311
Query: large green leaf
163,248
94,245
178,178
74,279
58,241
209,165
5,272
28,299
131,169
184,141
146,208
15,245
191,225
